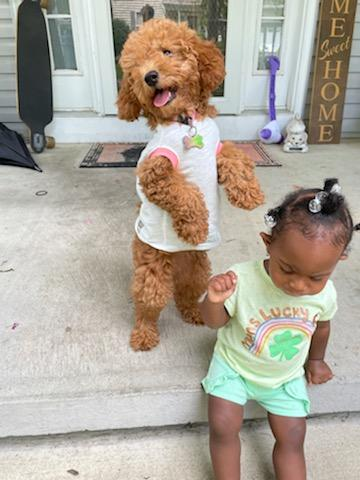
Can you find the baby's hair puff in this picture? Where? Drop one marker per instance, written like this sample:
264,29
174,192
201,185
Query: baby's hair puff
316,213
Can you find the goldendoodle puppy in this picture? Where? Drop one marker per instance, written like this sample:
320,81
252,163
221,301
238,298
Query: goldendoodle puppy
169,75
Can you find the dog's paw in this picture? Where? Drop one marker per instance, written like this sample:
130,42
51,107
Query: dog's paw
190,312
192,316
144,339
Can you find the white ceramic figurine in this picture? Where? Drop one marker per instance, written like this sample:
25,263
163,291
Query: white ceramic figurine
296,138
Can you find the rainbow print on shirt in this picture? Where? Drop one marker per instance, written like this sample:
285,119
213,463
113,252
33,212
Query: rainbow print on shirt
285,344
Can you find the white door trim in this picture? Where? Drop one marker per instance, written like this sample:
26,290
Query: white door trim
101,44
15,4
229,103
297,97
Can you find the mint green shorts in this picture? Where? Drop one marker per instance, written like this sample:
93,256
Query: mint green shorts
289,400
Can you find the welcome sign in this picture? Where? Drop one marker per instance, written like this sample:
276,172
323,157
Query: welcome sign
333,50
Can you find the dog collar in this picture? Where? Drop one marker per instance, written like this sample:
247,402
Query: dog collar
184,119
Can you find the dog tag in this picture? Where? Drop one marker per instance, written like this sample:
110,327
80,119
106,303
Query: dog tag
193,142
193,139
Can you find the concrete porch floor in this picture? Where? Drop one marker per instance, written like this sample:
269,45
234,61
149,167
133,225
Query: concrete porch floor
66,364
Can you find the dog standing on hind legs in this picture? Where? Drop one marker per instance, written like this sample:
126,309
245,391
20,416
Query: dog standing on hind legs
169,74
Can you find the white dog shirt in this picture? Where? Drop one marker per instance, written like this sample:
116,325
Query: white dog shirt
154,225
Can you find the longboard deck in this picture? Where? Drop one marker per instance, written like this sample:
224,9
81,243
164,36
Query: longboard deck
35,102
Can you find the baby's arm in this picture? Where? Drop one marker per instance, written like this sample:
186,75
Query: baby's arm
212,308
317,370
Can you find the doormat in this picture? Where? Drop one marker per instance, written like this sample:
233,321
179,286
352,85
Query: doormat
102,155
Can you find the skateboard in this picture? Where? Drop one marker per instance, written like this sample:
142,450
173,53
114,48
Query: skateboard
35,102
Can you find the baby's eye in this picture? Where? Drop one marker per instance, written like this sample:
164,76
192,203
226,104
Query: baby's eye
316,279
168,53
286,270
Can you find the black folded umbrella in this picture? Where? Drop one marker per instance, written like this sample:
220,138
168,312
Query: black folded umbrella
13,150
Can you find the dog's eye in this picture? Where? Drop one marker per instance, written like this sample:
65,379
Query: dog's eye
167,52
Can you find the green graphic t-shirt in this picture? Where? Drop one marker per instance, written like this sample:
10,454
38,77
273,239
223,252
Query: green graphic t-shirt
267,338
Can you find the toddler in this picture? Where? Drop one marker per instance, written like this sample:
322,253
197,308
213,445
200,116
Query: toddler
273,318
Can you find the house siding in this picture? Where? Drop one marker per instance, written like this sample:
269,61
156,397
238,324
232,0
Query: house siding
351,119
8,101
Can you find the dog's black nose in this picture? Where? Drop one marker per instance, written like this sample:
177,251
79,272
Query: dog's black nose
151,78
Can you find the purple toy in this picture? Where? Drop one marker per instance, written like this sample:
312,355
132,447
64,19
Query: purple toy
271,133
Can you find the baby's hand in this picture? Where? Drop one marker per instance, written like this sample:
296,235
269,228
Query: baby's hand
221,287
318,371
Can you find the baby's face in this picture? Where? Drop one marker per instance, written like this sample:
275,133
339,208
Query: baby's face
299,265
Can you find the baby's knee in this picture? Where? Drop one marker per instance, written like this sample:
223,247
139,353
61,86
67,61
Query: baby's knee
293,438
224,424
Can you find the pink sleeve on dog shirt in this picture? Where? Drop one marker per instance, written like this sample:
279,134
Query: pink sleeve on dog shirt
219,147
166,152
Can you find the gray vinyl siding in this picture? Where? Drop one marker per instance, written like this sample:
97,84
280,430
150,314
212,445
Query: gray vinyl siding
351,119
8,108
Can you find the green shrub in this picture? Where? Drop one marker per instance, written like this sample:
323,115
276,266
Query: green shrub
121,31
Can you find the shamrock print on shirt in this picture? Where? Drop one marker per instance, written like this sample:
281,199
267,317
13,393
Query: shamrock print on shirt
284,345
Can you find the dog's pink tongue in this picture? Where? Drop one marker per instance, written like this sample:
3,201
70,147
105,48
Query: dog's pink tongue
162,98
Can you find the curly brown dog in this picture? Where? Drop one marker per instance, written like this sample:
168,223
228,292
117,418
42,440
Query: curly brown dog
169,75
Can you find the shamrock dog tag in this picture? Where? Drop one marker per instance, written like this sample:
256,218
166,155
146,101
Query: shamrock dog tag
193,139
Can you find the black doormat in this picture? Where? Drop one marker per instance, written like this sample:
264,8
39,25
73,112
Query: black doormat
102,155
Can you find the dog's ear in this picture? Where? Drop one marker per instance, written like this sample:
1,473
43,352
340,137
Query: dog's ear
211,65
128,105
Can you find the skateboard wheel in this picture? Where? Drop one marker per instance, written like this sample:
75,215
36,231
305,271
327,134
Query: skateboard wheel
50,142
37,142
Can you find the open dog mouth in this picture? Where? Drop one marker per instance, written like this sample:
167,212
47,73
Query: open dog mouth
163,97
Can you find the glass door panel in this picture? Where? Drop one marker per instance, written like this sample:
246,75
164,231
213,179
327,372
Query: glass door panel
271,32
207,17
61,35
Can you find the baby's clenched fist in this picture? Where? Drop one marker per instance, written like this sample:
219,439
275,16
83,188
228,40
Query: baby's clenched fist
221,287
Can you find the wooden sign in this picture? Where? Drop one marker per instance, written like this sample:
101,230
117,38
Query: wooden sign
333,50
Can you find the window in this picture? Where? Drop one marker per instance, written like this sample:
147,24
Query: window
61,35
271,31
207,17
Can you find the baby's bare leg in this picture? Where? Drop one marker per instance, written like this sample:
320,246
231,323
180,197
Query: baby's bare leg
225,420
288,454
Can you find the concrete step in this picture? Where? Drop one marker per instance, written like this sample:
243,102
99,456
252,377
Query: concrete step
332,447
66,313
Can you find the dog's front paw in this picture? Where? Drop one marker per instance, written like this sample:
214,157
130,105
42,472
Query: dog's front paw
192,315
191,231
144,338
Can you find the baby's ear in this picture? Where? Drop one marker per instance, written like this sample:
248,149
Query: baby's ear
128,105
266,238
211,65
